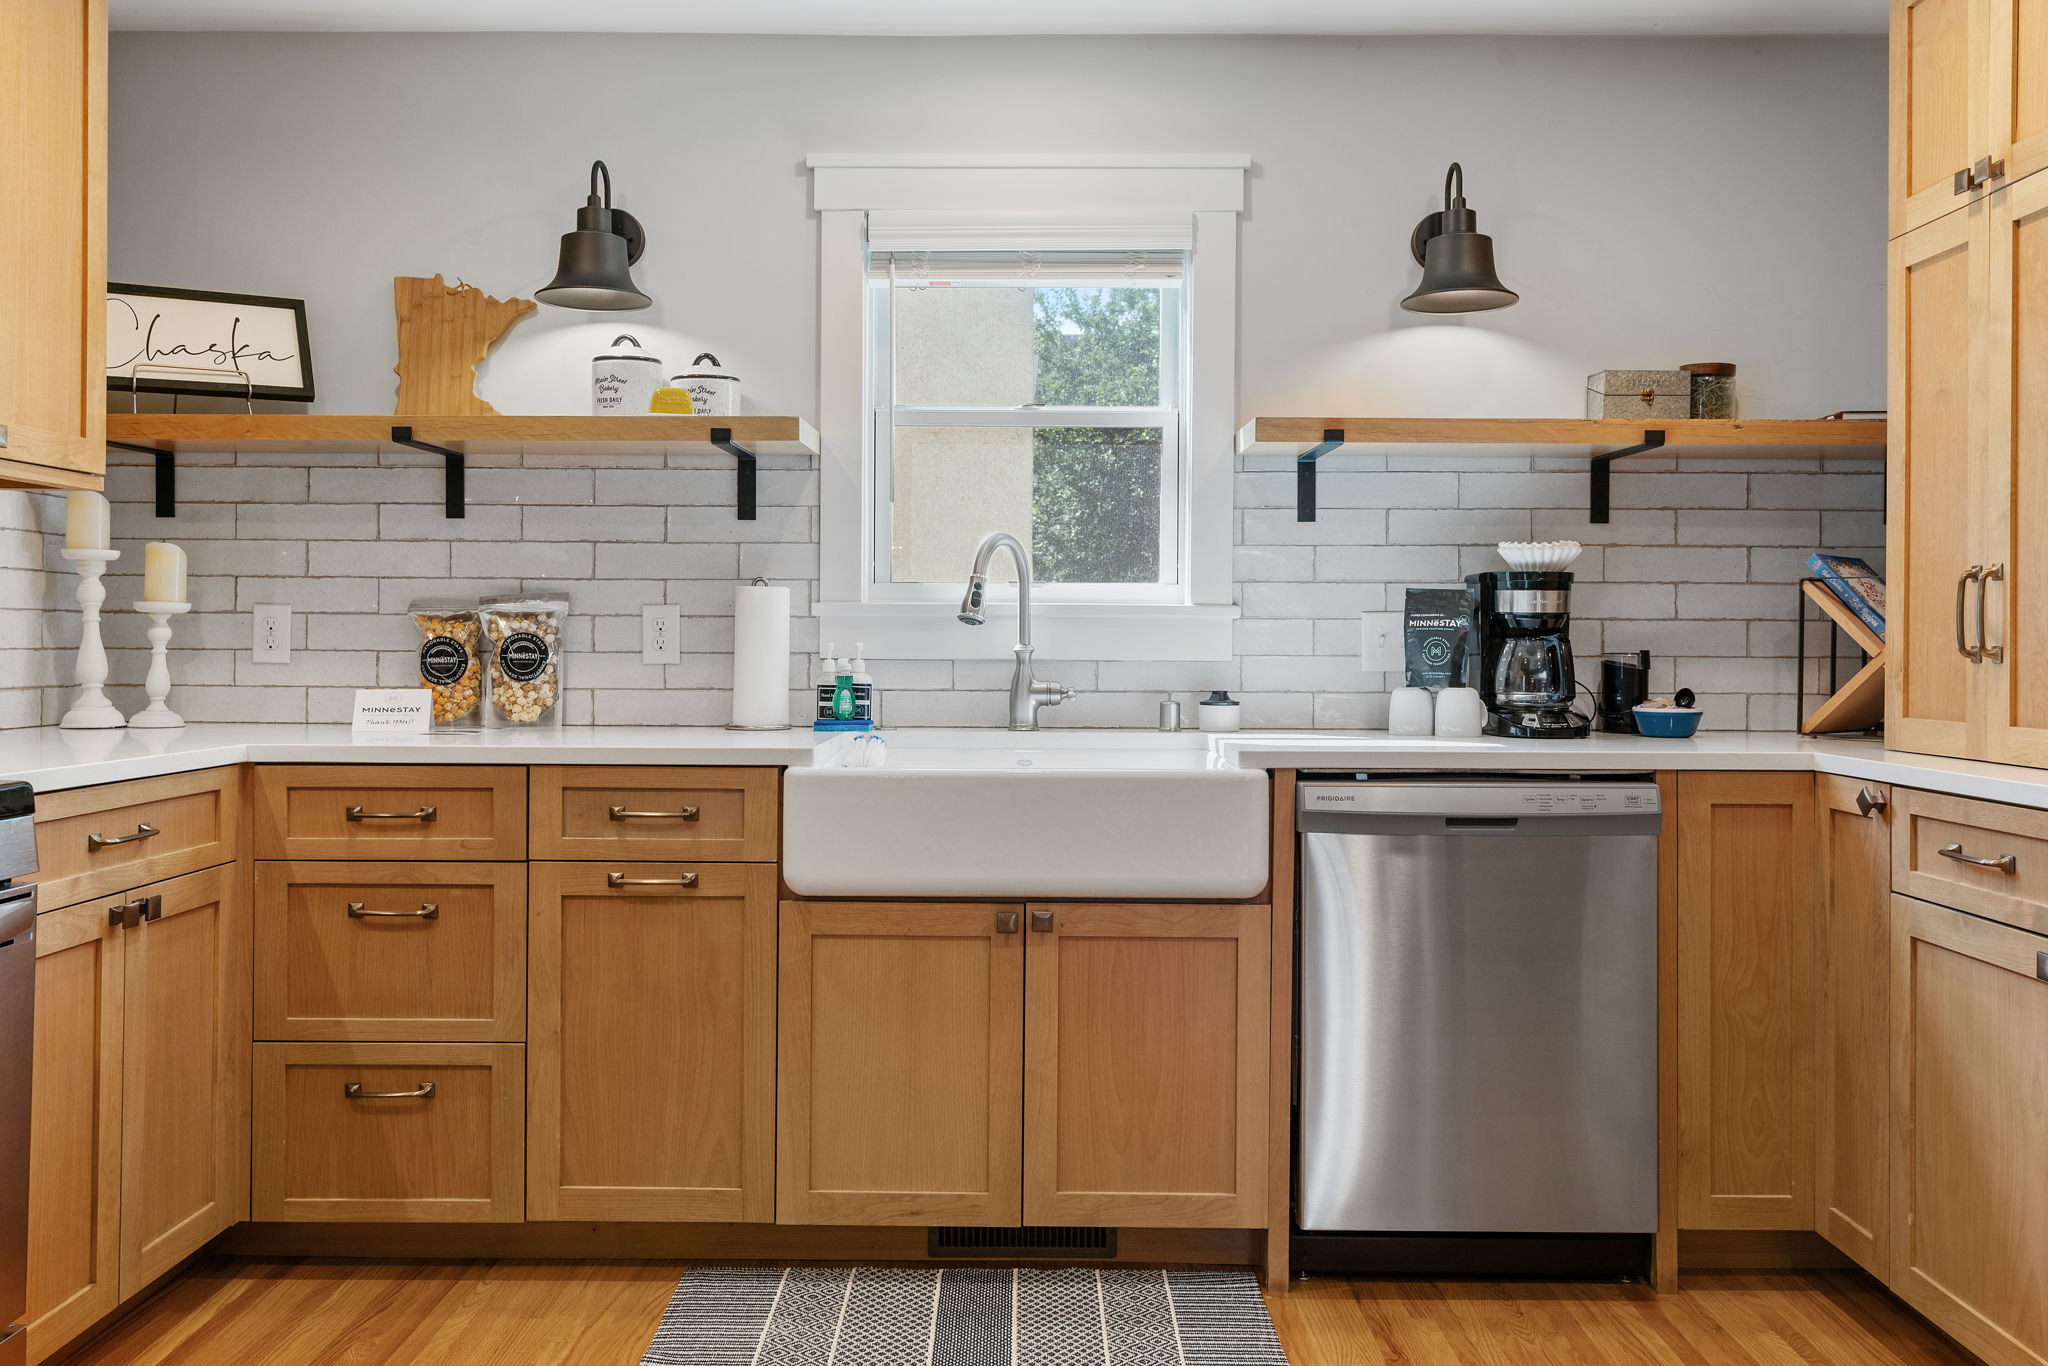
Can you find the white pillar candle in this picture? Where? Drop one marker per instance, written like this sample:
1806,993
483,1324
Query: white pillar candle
163,572
760,656
86,524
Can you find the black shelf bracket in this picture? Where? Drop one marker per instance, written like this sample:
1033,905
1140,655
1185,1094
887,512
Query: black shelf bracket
1305,473
166,474
721,437
1603,464
454,467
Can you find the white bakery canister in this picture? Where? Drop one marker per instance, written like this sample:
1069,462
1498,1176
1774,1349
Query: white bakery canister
711,394
622,380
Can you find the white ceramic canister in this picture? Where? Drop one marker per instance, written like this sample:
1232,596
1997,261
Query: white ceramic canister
623,381
1218,711
712,393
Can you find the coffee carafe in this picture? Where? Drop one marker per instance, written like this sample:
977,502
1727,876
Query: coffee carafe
1525,656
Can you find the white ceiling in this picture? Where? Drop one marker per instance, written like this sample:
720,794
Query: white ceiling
949,17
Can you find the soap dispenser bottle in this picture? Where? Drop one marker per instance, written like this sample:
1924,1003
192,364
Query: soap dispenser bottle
863,686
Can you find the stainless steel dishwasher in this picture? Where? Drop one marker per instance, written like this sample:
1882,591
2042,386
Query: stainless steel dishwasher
1478,1005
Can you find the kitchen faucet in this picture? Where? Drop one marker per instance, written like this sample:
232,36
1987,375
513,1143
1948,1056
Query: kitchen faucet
1027,694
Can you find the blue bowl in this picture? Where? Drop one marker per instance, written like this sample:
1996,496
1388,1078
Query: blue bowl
1668,723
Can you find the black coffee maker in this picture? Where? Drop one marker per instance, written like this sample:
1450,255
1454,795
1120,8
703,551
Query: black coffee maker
1525,657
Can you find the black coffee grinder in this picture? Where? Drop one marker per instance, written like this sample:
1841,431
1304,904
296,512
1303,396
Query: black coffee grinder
1624,682
1525,657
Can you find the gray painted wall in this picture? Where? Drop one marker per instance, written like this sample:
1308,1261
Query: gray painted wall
1654,201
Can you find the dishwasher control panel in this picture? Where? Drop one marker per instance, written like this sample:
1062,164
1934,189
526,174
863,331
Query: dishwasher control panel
1480,799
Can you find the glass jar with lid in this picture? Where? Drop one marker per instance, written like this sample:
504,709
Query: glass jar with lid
525,672
1713,389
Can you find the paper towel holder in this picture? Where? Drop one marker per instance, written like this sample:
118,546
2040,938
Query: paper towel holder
758,582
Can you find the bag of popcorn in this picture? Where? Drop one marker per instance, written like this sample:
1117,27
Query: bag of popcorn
525,634
451,662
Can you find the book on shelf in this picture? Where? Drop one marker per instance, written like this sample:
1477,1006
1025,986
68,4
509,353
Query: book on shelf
1855,583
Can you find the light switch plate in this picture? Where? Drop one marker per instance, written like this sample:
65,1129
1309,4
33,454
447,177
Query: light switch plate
273,633
1382,650
660,631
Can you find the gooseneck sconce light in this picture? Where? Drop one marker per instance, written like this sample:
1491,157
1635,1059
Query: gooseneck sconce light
1456,258
594,271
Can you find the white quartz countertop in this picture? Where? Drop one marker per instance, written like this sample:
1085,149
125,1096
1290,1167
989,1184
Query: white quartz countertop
52,759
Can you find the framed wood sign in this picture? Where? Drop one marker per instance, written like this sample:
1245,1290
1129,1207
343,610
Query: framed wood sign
177,338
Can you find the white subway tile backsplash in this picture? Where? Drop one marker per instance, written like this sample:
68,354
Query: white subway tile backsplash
1696,565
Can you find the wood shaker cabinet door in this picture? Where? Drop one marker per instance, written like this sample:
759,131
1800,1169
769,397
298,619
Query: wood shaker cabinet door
388,1132
1935,479
1145,1065
95,841
390,811
1748,894
652,1058
74,1201
184,1072
1970,1133
391,951
2018,85
1940,118
724,815
1853,1057
900,1067
2015,498
53,242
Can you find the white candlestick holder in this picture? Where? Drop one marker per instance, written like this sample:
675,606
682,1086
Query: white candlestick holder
91,710
156,715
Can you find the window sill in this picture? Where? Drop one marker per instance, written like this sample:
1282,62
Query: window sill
1060,630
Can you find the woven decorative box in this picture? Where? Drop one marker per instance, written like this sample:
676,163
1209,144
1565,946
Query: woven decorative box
1638,393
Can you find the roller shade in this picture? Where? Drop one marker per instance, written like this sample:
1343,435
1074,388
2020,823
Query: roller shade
916,267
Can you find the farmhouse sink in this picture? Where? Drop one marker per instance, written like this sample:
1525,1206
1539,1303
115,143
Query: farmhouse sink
1001,814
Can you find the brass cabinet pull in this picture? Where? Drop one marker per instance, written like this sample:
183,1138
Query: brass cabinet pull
429,910
425,813
1963,646
354,1091
2004,863
1992,573
1870,800
1006,922
620,813
621,880
1041,922
143,831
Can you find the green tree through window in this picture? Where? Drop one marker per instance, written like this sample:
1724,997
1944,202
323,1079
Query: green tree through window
1095,490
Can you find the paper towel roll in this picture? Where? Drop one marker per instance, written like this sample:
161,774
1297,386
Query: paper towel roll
760,657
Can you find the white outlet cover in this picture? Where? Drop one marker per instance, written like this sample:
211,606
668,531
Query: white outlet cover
271,638
660,634
1381,649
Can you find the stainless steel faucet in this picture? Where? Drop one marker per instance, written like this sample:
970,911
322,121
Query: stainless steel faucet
1027,694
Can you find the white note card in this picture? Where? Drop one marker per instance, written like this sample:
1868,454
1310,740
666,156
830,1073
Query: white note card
382,712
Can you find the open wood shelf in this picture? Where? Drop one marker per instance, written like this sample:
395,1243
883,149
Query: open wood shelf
1309,439
1295,435
456,438
494,435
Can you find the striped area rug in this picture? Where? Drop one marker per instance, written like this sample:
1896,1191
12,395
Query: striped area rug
964,1316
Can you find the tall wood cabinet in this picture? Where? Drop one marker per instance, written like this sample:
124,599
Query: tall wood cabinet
1967,548
1748,880
53,274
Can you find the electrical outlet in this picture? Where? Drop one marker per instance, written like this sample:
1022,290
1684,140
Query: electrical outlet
273,642
660,629
1383,650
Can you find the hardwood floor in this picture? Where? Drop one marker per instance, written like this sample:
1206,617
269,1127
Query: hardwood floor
293,1312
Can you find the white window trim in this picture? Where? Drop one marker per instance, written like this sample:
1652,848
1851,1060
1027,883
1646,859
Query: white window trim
987,198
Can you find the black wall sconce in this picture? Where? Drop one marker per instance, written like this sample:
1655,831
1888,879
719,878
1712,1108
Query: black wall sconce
1456,258
596,258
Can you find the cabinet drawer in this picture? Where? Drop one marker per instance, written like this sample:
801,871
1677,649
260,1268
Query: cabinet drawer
726,815
377,1132
1982,857
92,841
334,811
391,951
